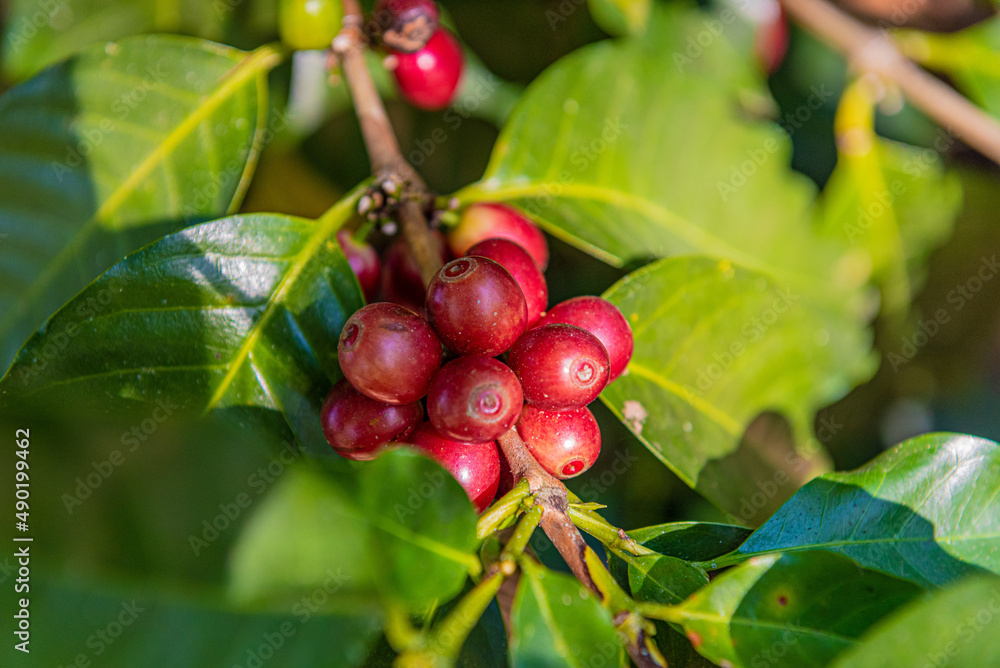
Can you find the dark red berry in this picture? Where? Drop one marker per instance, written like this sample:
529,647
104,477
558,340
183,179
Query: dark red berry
429,78
406,25
476,307
358,427
389,353
488,220
771,40
565,443
602,319
476,466
474,399
561,367
401,281
364,263
519,264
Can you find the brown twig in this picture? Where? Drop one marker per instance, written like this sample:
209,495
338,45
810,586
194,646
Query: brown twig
872,51
393,174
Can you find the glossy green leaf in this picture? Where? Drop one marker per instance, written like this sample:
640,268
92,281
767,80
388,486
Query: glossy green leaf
691,541
242,314
715,345
387,521
662,579
151,129
423,535
924,511
628,153
555,622
304,536
40,32
621,17
73,624
892,203
794,610
957,628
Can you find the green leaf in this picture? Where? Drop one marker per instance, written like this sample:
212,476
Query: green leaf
794,610
715,345
41,32
924,511
627,154
424,528
691,541
304,536
663,579
124,628
151,129
957,628
556,622
621,17
400,522
891,202
242,314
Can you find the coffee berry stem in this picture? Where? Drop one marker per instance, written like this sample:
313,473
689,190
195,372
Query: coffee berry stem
598,527
502,510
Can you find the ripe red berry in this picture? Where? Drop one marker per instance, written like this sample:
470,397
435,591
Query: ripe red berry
488,220
476,307
364,263
473,399
476,466
771,40
602,319
358,427
389,353
401,281
564,443
518,263
429,78
406,25
561,367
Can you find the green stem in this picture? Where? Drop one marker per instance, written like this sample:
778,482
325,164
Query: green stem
399,630
499,512
599,528
447,638
519,539
665,613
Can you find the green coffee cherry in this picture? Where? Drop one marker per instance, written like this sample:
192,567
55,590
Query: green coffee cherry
309,24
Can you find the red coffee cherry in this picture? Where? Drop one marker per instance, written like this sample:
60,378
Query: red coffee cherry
488,220
602,319
364,263
406,25
359,428
389,353
561,367
476,466
474,399
564,443
518,263
476,307
429,78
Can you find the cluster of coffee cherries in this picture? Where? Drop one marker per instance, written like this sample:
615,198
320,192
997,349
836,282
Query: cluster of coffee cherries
480,351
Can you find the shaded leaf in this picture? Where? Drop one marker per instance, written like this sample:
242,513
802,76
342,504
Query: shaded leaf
715,345
691,541
957,627
556,622
891,202
241,314
924,511
150,129
663,579
792,610
175,631
41,32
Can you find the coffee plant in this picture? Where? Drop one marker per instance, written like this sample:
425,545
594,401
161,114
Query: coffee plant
260,421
